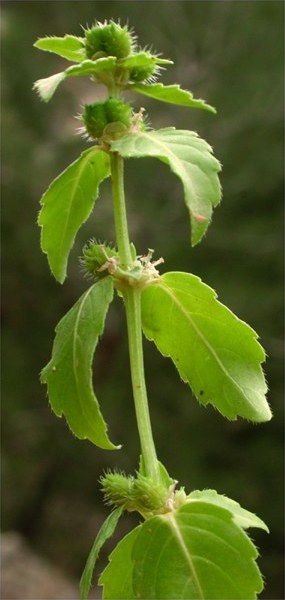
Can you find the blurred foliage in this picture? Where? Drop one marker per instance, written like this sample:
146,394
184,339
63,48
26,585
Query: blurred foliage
230,54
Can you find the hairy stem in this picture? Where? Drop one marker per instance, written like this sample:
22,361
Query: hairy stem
132,298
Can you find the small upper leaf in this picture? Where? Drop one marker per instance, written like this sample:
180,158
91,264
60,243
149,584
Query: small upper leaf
196,552
190,158
47,86
69,47
215,352
241,517
105,532
68,375
67,204
172,94
142,59
92,67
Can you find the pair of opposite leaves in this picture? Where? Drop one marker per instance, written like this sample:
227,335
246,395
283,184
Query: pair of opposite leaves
217,354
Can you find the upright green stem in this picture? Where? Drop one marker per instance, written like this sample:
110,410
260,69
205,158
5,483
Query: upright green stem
132,298
119,207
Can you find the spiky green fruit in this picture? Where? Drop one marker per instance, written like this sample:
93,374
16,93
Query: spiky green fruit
108,39
97,116
98,259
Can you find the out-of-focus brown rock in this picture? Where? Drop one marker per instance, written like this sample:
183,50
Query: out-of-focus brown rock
26,576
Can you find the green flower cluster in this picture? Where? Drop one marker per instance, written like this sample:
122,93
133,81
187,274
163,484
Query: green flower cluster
139,493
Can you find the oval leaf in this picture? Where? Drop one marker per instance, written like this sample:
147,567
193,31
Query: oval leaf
105,532
191,159
172,94
196,552
67,204
69,46
68,375
215,352
241,517
116,578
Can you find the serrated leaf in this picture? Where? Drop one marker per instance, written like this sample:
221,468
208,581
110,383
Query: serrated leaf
68,375
196,552
91,67
116,578
47,86
214,351
67,204
142,59
190,158
69,46
105,532
172,94
241,517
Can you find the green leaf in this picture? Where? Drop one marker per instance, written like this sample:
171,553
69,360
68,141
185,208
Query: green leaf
196,552
67,204
215,352
69,46
91,67
241,517
142,59
68,375
190,158
170,93
117,576
47,86
104,534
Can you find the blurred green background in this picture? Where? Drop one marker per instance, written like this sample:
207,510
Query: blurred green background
230,54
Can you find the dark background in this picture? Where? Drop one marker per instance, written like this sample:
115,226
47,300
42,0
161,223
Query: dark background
230,54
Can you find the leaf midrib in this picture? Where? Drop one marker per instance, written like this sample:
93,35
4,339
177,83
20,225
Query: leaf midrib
174,526
74,369
168,152
202,338
75,189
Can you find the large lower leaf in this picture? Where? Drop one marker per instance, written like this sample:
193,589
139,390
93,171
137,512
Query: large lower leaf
195,552
215,352
173,94
68,375
67,204
191,159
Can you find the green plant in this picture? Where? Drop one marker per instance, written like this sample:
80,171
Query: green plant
188,545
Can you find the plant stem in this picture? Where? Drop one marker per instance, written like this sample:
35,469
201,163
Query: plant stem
119,206
132,298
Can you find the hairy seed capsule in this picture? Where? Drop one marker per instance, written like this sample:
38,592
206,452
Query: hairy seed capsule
140,74
97,116
117,111
108,39
98,259
94,119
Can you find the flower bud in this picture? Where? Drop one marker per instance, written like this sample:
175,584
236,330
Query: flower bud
108,39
